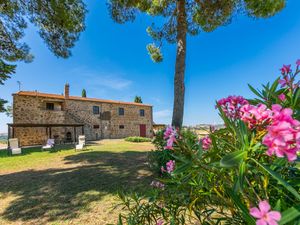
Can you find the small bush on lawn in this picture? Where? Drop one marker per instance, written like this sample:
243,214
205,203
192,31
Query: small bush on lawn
245,173
138,139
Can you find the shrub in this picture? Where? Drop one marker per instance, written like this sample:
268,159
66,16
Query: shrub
244,173
160,156
138,139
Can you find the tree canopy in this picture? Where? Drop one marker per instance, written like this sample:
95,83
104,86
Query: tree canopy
174,19
59,23
200,15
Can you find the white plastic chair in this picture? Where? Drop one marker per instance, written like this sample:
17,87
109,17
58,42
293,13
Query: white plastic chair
81,142
49,145
14,146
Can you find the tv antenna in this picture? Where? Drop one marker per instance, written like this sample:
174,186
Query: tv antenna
19,84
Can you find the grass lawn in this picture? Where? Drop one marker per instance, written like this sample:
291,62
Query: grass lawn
68,187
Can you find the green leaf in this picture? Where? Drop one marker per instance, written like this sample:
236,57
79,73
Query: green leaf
274,85
278,205
296,97
233,159
120,220
290,214
255,91
250,220
279,179
181,168
241,177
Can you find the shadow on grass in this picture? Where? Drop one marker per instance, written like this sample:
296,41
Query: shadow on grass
61,194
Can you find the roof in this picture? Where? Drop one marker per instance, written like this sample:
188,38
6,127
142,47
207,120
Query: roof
45,125
56,96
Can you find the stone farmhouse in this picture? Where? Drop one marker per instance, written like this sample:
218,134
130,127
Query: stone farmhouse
39,116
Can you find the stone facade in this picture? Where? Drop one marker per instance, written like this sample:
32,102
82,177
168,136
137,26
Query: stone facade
101,118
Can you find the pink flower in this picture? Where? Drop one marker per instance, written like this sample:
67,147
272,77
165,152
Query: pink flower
286,69
264,215
212,128
255,116
170,166
231,106
283,137
170,135
288,77
160,222
168,132
284,82
282,97
206,143
157,184
162,169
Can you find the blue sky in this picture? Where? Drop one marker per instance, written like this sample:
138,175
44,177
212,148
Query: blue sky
110,61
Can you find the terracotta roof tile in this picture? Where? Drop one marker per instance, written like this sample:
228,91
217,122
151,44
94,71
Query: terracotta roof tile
56,96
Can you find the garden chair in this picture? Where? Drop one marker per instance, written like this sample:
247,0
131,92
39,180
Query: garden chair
81,142
14,146
49,145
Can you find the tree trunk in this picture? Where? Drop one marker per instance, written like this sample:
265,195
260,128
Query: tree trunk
178,106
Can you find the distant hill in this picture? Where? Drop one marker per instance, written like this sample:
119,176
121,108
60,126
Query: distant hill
3,136
204,126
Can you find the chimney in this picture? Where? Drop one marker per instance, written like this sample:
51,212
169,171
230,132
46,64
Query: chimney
67,90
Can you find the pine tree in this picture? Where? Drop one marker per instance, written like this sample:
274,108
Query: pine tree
138,99
183,17
59,24
83,93
5,72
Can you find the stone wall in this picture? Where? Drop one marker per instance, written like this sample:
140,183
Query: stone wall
32,109
82,111
31,136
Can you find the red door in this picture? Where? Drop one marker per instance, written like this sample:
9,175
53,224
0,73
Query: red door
143,130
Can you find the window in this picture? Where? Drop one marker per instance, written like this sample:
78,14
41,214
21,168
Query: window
49,106
121,127
96,110
142,112
96,126
121,111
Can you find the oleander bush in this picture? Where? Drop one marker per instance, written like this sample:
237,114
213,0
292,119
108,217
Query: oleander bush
138,139
161,155
245,173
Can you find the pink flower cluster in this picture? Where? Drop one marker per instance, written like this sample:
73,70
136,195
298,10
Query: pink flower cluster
255,116
231,105
288,76
170,135
283,137
206,142
264,215
286,69
170,166
157,184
